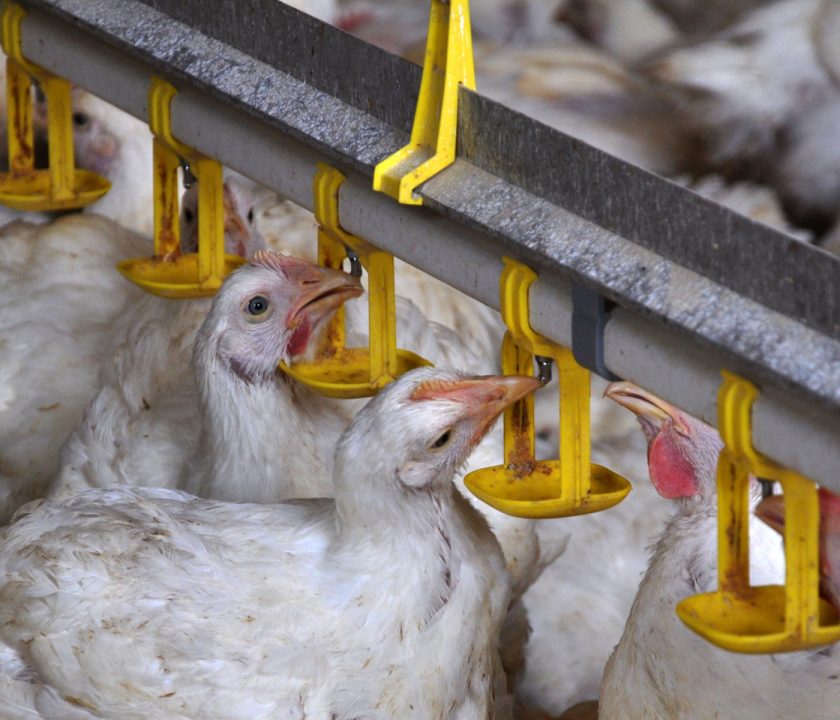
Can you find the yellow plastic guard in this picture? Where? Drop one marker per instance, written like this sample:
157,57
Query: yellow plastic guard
62,186
340,371
532,488
169,273
448,64
769,618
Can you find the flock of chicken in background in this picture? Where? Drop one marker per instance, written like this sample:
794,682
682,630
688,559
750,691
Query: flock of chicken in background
141,602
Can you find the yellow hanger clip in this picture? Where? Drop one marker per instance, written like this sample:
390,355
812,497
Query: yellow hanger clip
769,618
448,64
524,486
171,273
62,186
340,371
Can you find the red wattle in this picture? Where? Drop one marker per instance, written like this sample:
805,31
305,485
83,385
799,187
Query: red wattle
300,338
670,472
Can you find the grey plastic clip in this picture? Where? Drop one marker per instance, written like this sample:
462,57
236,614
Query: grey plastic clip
589,318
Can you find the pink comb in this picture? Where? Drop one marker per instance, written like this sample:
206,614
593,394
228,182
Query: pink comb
271,260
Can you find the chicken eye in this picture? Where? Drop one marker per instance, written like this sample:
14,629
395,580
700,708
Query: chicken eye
257,305
80,120
251,215
442,440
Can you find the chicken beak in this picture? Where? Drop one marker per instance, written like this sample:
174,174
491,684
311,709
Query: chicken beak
497,393
484,398
322,290
771,510
646,406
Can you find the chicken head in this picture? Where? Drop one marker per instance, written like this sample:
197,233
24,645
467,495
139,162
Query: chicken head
443,415
772,511
682,451
96,148
267,311
241,237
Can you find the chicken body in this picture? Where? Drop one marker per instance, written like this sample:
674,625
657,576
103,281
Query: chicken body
156,421
765,105
590,95
627,29
163,605
61,297
660,668
578,606
63,274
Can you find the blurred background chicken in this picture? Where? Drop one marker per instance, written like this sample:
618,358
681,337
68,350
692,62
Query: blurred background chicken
116,145
764,105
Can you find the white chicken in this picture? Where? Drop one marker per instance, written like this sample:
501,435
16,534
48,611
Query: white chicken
387,602
627,29
119,146
590,95
136,427
61,297
401,26
765,105
64,274
157,420
661,669
558,79
242,237
516,21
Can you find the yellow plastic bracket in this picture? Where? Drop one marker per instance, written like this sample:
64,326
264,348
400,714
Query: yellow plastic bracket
62,186
525,486
340,371
448,64
169,273
768,618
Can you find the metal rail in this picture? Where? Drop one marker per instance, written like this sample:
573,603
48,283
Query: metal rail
697,287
